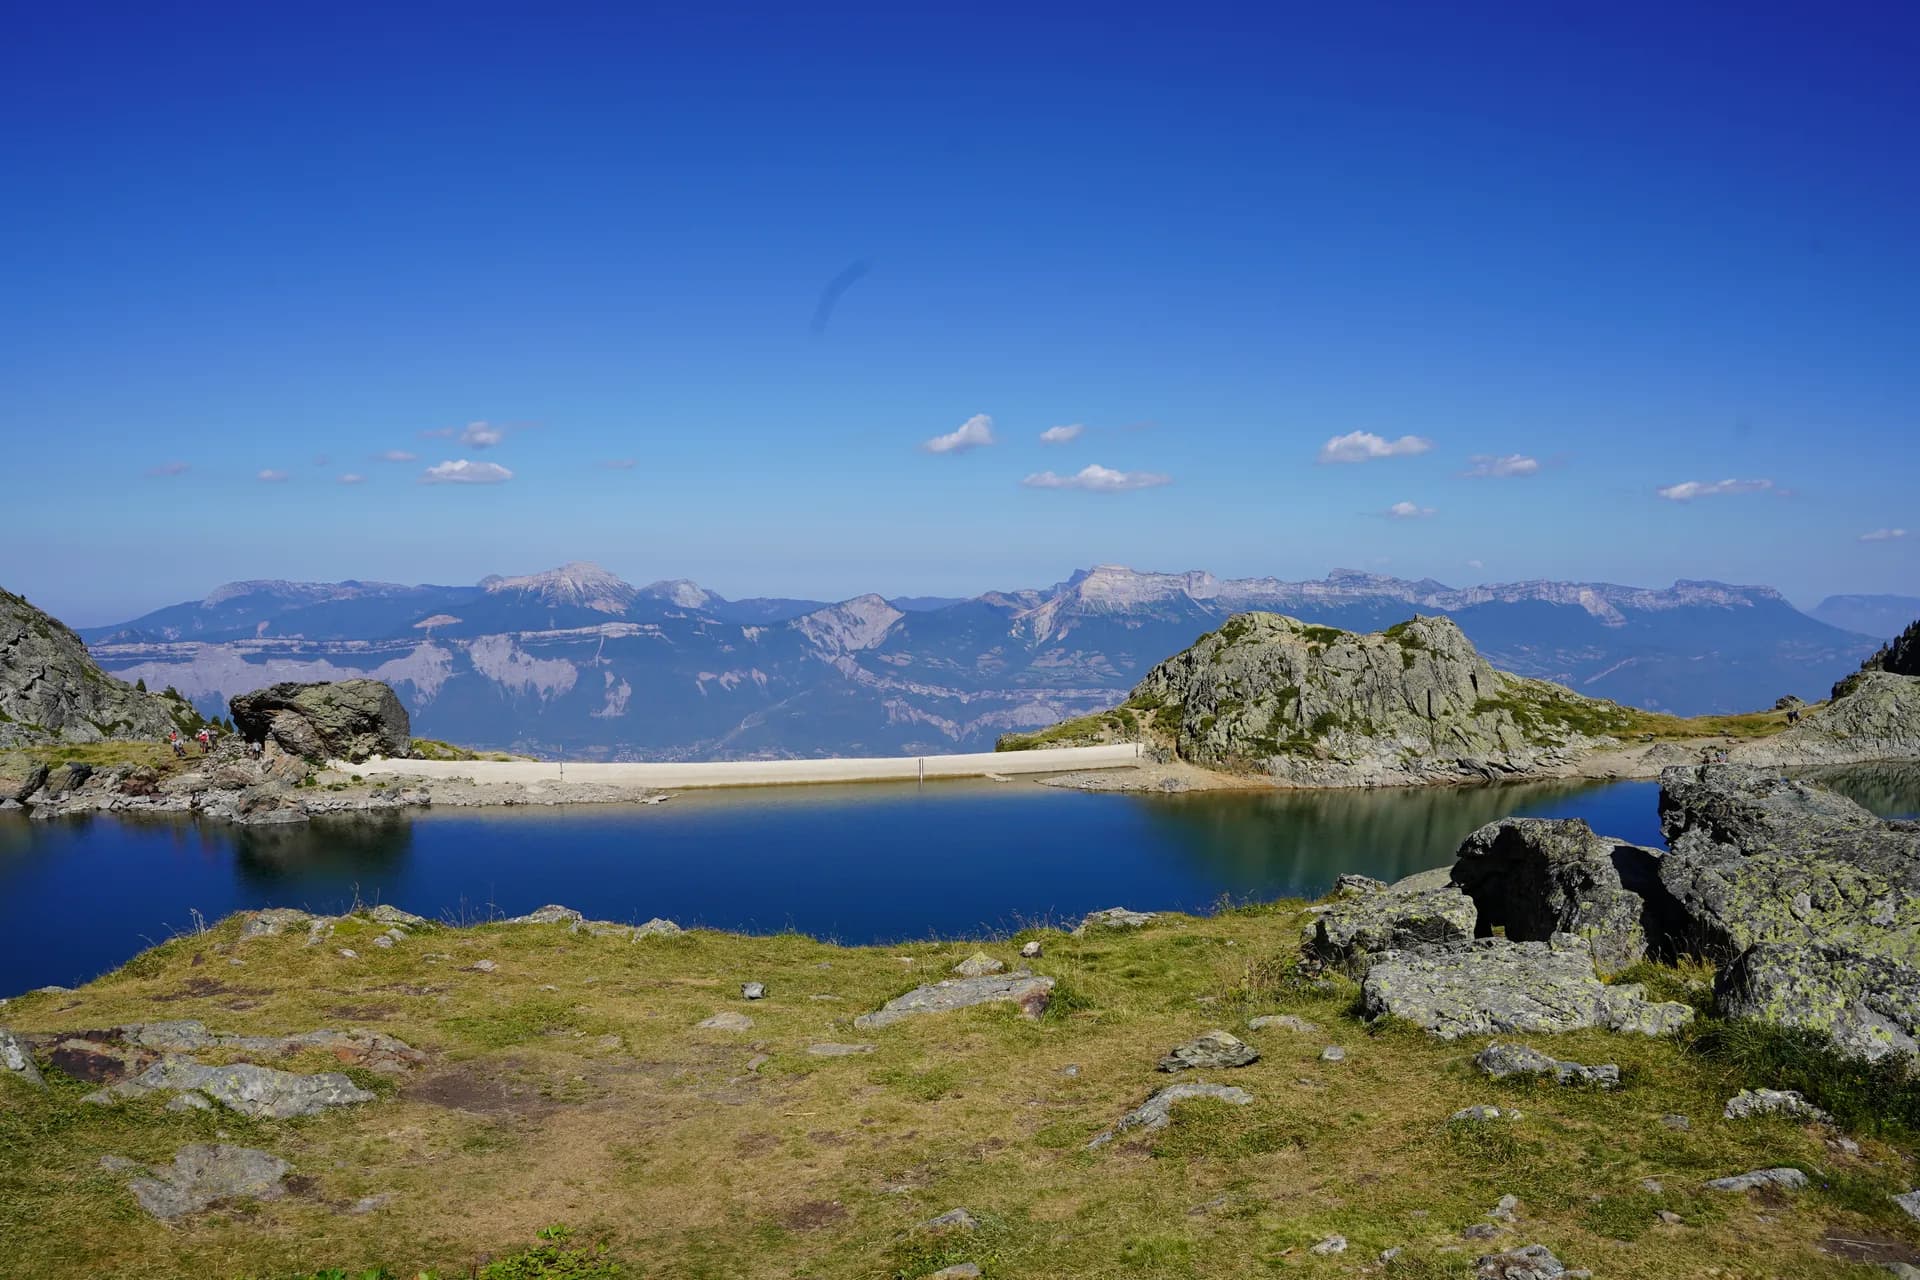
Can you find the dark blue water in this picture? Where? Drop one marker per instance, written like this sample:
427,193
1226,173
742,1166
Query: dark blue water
857,864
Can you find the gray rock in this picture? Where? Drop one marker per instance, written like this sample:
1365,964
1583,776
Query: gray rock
958,1271
272,921
952,1220
727,1020
333,720
1909,1203
1749,1103
1535,877
1482,1113
1333,1053
1675,1121
832,1050
1786,1179
1330,1245
383,941
552,913
753,991
1531,1262
189,1102
1669,1217
51,690
1113,918
259,1092
384,914
1351,932
1156,1112
1214,1049
1350,885
657,928
1283,1022
1498,986
1030,950
483,966
1501,1060
16,1060
203,1175
1505,1210
1021,987
1867,1004
978,965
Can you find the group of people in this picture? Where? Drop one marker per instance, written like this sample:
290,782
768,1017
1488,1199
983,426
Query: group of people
179,744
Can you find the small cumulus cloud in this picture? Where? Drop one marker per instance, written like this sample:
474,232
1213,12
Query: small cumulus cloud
1883,535
1476,564
465,472
396,455
353,477
619,464
1063,435
1097,479
270,476
481,435
1512,464
1688,490
1364,446
170,469
975,433
1408,511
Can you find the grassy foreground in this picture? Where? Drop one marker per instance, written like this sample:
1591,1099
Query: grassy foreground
571,1086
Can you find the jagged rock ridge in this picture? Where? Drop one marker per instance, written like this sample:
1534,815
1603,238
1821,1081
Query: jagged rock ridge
51,690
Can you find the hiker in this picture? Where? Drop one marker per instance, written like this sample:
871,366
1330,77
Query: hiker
173,740
206,740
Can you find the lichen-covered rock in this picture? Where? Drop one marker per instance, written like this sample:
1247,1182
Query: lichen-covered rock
1214,1049
1156,1112
1113,918
203,1175
1868,1005
1283,1022
329,720
1498,986
1501,1060
16,1060
1530,1262
1021,987
1535,877
51,690
1785,1178
1318,706
978,965
259,1092
1352,931
1758,858
552,913
1749,1103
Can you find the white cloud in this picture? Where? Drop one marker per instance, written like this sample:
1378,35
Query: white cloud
1097,479
396,455
619,464
170,469
353,477
1363,446
1883,535
1063,435
1408,511
270,476
1688,490
1476,564
464,472
481,435
975,433
1512,464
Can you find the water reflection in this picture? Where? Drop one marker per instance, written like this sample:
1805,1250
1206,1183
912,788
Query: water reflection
1891,788
371,847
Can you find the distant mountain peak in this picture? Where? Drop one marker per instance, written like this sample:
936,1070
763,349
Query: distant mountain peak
684,592
580,584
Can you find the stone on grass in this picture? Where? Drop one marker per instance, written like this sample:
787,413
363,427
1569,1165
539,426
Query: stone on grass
1909,1203
1331,1245
1531,1262
1113,918
726,1020
958,1271
657,928
189,1102
1283,1022
753,990
1023,988
1669,1217
385,914
1030,950
1500,986
258,1092
952,1220
1787,1179
1482,1113
552,913
1333,1053
1749,1103
1675,1121
978,965
1505,1209
1501,1060
16,1061
205,1174
1156,1112
832,1050
269,922
483,966
1214,1049
1353,885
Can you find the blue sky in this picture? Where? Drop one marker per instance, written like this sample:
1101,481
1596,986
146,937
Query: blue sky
1603,253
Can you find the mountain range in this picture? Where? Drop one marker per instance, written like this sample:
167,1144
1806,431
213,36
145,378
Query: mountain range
578,663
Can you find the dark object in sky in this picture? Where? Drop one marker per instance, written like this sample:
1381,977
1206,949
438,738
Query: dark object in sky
830,296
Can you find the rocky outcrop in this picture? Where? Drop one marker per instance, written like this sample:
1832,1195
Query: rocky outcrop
1157,1112
1350,933
203,1175
1535,877
1214,1049
1874,715
1316,706
1500,986
1757,858
259,1092
51,690
1867,1004
1032,994
334,720
16,1060
1899,656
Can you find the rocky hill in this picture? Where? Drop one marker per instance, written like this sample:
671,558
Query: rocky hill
51,690
1316,706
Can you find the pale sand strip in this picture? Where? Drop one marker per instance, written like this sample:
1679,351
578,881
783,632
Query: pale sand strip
756,773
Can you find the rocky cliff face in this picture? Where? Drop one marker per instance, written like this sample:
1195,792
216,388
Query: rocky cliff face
1315,706
51,690
1875,715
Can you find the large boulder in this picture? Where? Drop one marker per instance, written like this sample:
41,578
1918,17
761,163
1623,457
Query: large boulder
1535,877
1757,858
1868,1005
1500,986
331,720
1350,933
